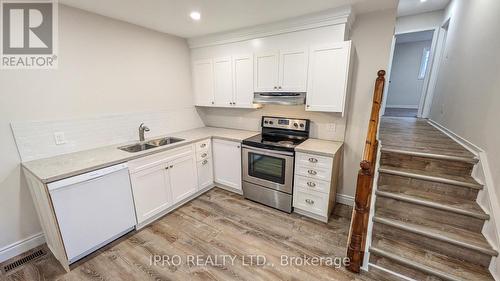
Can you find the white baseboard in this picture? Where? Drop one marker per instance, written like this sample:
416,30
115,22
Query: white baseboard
402,106
21,246
345,199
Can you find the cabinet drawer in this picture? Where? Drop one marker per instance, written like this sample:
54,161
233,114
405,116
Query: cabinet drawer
314,173
202,155
311,201
158,158
314,161
203,145
312,184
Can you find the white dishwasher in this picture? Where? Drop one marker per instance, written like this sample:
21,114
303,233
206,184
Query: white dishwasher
93,209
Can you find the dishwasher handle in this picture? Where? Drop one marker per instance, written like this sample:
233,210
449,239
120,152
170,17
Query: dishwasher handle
86,176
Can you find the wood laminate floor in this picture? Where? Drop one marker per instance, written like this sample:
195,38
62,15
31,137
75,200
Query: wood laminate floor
195,238
401,112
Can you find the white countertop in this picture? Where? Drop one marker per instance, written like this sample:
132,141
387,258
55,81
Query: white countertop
320,147
67,165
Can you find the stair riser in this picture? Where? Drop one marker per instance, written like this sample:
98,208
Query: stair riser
381,231
402,184
419,214
448,167
379,274
401,269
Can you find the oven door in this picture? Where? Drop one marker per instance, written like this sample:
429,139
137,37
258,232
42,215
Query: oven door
268,168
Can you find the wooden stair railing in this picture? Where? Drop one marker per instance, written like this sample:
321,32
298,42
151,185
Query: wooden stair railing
359,223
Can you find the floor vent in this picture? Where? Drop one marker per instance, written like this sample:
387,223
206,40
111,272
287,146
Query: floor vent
23,260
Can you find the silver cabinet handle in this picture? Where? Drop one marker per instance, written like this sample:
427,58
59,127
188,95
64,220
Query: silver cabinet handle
312,172
204,162
166,168
313,160
279,87
213,102
309,201
203,145
311,184
171,166
275,87
204,155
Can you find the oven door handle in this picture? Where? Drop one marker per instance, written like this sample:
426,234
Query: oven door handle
268,151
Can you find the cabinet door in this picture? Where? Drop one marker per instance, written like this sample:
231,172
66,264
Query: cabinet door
266,72
227,163
293,71
328,77
183,177
205,173
151,190
203,82
223,81
243,80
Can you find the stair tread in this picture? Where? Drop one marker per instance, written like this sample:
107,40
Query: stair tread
462,179
435,153
445,232
418,135
444,202
428,261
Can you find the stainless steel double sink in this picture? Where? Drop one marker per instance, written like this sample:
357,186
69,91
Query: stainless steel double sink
141,146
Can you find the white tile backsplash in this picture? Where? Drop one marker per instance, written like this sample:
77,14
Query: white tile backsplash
35,139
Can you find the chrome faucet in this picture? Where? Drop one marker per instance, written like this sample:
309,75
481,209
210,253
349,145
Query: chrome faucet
142,128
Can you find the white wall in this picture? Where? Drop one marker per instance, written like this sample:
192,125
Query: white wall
405,88
105,66
467,95
425,21
372,35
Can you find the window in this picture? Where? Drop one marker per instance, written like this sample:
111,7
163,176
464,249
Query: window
424,62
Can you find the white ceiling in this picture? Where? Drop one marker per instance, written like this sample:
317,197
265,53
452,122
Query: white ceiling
414,37
172,16
413,7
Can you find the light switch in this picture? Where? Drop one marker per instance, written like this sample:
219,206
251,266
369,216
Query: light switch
60,138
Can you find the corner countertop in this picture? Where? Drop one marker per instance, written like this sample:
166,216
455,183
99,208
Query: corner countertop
320,147
67,165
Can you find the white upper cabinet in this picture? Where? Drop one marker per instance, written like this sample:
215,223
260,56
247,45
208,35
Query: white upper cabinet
328,77
293,71
243,80
203,82
223,81
266,72
283,71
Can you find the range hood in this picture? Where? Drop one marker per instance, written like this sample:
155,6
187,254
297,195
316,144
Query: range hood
280,98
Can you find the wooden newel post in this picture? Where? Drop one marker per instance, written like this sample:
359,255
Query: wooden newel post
359,223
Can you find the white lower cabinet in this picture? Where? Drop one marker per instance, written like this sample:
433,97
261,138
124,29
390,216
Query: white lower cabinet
227,163
315,185
151,192
161,180
204,164
182,176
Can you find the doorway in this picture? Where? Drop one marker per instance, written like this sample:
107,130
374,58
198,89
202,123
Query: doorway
409,76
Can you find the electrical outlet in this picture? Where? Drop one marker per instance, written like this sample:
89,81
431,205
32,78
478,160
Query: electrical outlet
331,127
60,138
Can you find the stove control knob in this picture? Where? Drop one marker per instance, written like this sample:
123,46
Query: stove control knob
295,125
271,122
302,125
265,122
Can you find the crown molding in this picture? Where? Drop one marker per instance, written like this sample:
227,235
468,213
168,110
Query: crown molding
330,17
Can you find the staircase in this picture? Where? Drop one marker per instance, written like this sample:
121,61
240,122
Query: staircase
427,224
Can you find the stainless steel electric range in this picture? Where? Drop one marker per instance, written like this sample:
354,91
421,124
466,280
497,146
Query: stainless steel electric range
268,161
